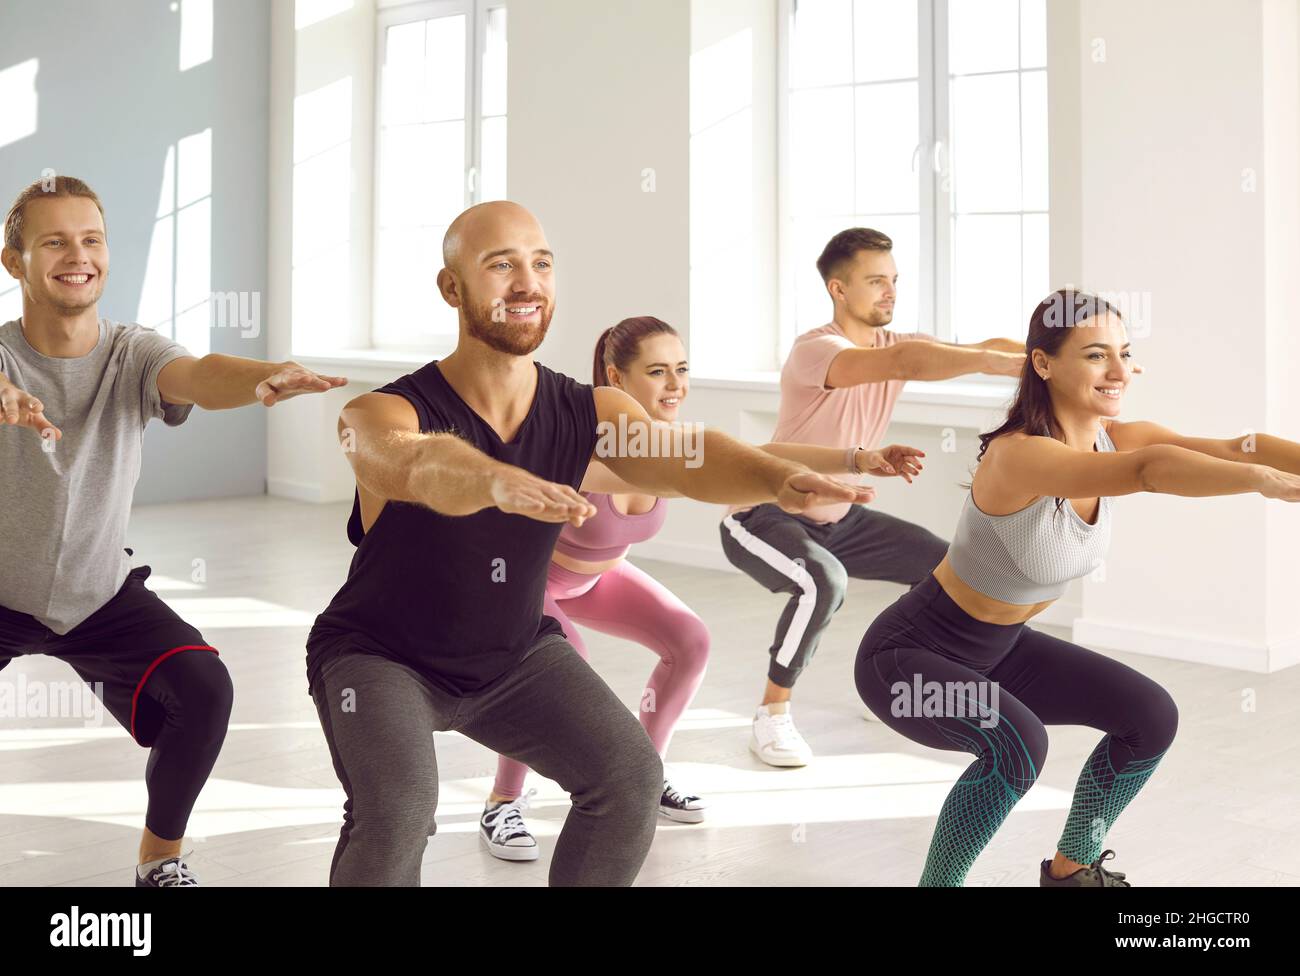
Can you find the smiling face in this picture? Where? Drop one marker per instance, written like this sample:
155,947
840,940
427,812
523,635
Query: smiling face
1092,368
64,259
657,378
866,287
500,275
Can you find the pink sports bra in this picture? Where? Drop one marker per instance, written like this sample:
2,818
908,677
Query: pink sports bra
609,533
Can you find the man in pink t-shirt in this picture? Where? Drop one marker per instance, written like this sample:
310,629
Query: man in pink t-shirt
838,389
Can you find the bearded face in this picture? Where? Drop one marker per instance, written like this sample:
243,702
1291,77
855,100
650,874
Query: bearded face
515,325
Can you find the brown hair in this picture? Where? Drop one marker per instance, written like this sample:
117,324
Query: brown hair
846,244
1031,410
619,344
57,186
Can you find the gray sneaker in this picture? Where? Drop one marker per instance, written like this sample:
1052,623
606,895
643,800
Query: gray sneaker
1093,876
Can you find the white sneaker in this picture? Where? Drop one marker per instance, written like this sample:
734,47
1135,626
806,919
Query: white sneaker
776,741
503,830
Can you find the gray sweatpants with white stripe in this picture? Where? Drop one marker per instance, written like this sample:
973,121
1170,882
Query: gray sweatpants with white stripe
813,562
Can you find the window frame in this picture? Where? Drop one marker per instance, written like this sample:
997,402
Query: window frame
476,14
932,155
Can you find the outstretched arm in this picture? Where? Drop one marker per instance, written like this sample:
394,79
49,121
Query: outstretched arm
712,467
393,461
1045,466
896,459
1001,345
1254,448
919,361
219,382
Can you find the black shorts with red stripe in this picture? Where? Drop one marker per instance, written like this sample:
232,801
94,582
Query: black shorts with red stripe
114,650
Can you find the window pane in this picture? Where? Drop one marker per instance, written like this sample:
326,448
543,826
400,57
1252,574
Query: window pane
821,43
444,70
983,35
409,310
322,119
887,137
821,152
905,232
723,312
1033,122
321,196
403,75
812,305
492,181
422,172
1037,277
322,295
1033,33
987,295
722,79
406,290
404,45
721,190
884,39
986,143
494,63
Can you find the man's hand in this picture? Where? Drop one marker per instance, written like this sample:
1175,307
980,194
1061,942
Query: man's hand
896,459
803,491
21,409
519,492
292,380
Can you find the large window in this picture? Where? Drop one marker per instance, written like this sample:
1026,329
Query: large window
925,119
440,147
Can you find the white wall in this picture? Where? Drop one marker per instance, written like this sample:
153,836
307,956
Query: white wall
1174,121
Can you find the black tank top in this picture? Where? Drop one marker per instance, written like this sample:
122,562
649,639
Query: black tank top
459,598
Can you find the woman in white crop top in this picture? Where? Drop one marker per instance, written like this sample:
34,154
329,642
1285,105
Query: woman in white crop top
953,665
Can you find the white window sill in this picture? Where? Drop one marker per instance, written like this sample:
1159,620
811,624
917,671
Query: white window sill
368,365
961,391
965,402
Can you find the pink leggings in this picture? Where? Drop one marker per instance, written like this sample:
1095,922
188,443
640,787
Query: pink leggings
628,603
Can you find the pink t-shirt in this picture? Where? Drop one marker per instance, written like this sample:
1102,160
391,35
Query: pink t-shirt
844,417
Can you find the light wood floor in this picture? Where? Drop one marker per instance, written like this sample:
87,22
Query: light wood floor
1221,810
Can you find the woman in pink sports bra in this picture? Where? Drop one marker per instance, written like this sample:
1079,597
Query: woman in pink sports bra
591,582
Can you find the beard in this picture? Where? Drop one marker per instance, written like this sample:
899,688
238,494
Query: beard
881,316
513,339
75,306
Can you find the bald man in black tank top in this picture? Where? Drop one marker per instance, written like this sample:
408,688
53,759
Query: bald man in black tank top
466,469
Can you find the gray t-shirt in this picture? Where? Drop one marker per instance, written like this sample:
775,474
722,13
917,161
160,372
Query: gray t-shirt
63,512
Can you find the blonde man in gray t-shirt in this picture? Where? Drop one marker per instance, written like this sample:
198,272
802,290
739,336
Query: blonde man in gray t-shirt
86,387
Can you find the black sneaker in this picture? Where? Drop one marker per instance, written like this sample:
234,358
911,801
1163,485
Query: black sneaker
170,872
1093,876
503,830
683,807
